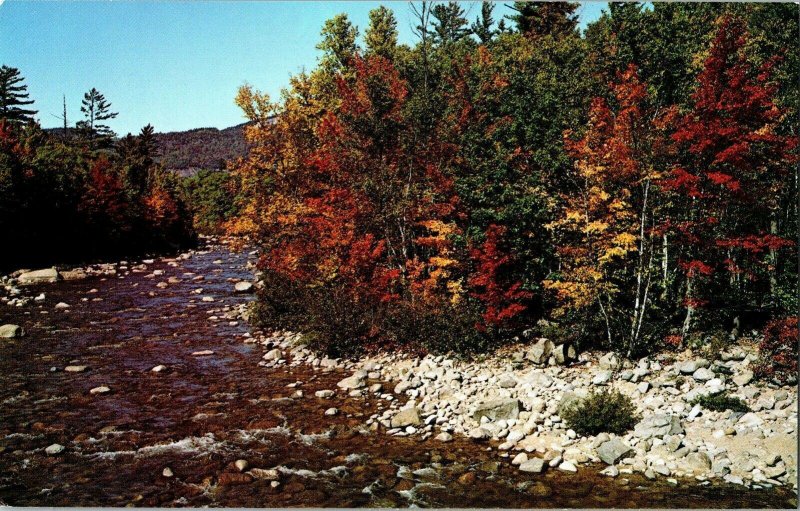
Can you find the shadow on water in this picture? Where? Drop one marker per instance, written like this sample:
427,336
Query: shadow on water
202,413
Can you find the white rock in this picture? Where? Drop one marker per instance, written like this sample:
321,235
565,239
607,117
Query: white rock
54,449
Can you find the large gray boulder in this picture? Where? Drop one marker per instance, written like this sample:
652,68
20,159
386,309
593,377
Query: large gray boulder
540,352
10,331
406,417
533,465
613,450
353,382
564,354
656,426
609,362
497,409
38,276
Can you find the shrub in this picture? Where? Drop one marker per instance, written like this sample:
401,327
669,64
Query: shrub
778,351
721,402
606,411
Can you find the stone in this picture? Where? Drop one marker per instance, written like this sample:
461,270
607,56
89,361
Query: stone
324,394
267,474
331,411
47,275
567,466
406,417
158,368
613,451
62,305
274,354
479,434
657,426
690,366
100,390
750,420
533,465
444,436
241,465
497,409
703,374
9,331
167,472
243,287
540,352
694,412
602,377
610,471
564,354
519,459
54,449
643,387
609,362
696,462
507,381
515,436
202,353
355,381
75,369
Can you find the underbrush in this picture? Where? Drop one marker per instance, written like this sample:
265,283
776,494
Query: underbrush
721,402
607,411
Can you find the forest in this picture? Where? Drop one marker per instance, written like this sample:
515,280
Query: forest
630,187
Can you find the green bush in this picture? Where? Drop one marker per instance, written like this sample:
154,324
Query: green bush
721,402
606,411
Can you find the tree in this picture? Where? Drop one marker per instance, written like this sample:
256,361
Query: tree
732,172
449,23
535,19
380,37
14,97
482,27
96,111
338,43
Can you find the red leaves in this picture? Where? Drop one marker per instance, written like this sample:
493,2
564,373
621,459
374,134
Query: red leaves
778,350
503,300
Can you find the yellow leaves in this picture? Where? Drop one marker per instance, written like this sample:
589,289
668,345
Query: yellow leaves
595,227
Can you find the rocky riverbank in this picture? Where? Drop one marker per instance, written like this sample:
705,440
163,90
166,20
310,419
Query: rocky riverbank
137,383
511,402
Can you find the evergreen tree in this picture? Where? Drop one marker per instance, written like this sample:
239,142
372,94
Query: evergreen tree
541,18
482,27
14,97
449,23
381,35
96,109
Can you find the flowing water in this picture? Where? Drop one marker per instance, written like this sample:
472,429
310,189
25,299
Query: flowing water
202,413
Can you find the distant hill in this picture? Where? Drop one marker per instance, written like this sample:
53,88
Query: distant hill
186,152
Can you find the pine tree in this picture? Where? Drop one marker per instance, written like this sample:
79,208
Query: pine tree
449,24
96,110
536,19
482,27
381,35
14,97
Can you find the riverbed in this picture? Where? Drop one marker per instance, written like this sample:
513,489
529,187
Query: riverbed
173,437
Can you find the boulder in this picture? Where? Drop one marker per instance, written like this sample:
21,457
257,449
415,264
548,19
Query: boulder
356,381
750,420
564,354
54,449
497,409
38,277
406,417
274,354
507,381
690,366
743,378
657,426
613,451
703,374
11,331
533,465
696,462
609,362
540,352
602,377
243,287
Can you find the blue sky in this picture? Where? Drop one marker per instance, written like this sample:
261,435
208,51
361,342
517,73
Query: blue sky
176,65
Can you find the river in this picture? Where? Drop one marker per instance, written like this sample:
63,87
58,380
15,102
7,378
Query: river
171,438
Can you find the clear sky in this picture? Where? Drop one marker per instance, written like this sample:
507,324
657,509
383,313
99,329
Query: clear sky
175,65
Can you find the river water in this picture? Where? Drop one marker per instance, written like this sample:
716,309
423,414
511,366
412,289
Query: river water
202,413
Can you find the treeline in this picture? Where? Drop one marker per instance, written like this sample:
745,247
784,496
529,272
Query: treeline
187,152
80,193
631,187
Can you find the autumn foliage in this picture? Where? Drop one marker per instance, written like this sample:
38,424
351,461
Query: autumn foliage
460,191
